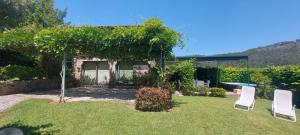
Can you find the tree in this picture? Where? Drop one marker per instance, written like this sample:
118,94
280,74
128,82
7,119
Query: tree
43,14
34,13
183,72
13,13
21,19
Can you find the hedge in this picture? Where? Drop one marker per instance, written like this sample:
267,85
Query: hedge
281,77
284,77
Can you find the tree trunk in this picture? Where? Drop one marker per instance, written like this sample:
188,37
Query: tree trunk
63,77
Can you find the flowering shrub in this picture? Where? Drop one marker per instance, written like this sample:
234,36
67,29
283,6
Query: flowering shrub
153,99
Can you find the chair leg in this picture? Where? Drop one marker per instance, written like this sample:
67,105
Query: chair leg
294,118
234,106
253,104
272,107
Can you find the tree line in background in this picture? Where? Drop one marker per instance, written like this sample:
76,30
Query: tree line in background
278,54
29,13
24,18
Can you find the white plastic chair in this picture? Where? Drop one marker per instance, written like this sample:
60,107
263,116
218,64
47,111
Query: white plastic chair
283,105
246,98
206,84
198,83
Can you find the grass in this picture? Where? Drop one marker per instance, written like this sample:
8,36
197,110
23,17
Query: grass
191,115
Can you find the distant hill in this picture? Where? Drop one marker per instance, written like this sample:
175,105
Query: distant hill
282,53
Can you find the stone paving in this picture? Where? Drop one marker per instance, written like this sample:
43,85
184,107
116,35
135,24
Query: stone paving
9,101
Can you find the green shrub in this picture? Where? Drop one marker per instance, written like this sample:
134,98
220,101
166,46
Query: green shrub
9,57
149,79
153,99
185,71
170,87
19,72
259,78
234,74
266,91
262,81
202,91
284,77
218,92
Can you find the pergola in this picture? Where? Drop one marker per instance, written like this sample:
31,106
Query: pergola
150,41
216,59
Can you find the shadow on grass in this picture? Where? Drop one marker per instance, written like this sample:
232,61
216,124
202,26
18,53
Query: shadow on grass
45,129
280,116
178,103
94,92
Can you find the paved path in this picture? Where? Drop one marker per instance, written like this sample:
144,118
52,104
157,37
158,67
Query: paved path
9,101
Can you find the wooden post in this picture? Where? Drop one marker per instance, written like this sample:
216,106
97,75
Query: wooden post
249,77
218,76
63,82
97,68
161,68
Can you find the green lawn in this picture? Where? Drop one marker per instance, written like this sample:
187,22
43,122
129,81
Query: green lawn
191,115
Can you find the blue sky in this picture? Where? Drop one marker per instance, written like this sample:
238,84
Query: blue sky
209,26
